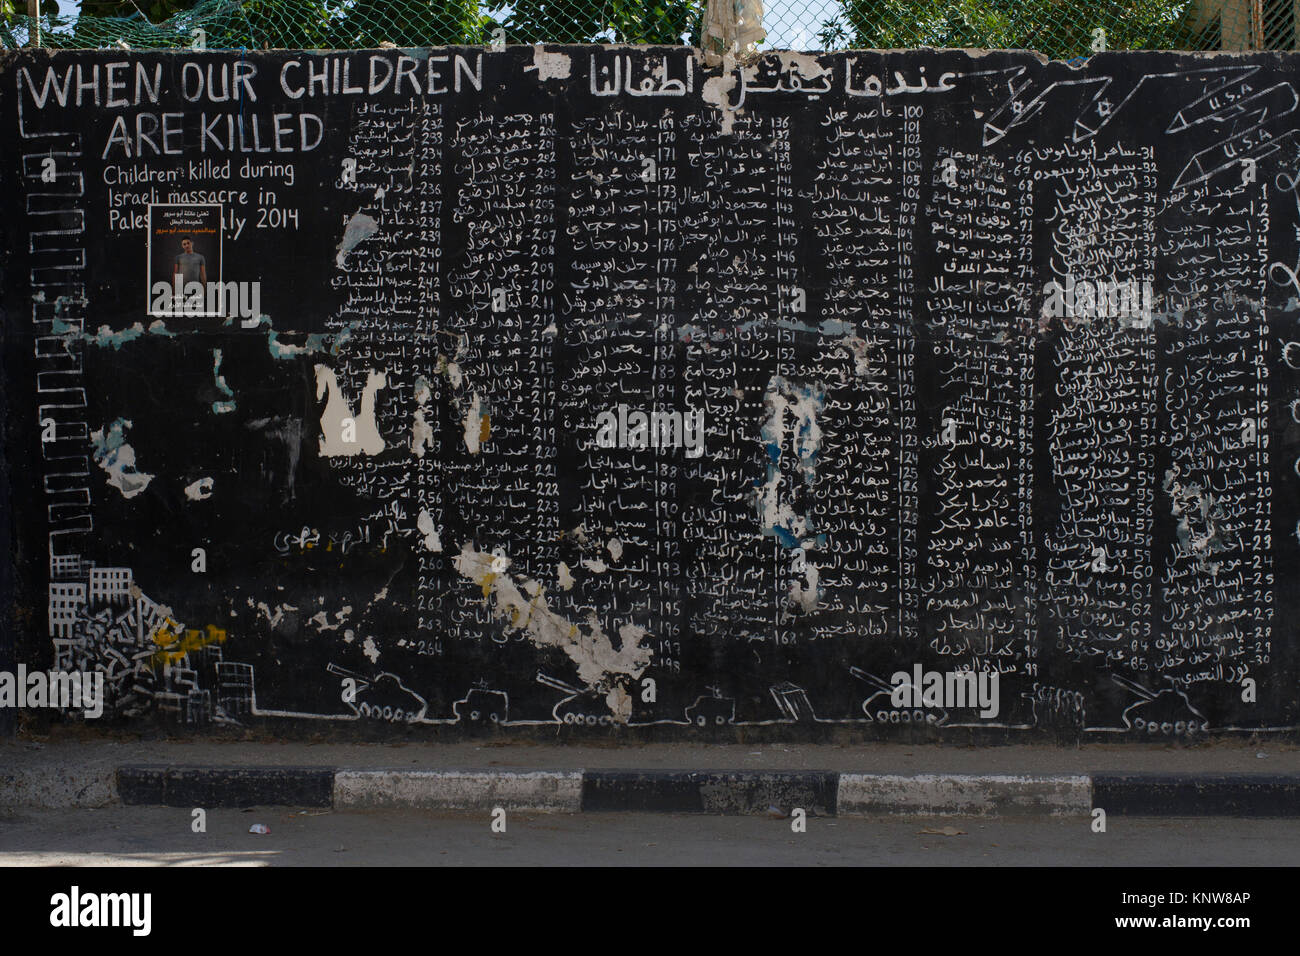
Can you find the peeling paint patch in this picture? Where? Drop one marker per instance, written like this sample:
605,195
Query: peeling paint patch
777,515
219,407
279,350
808,65
478,425
322,621
432,542
359,228
421,430
615,548
601,667
564,576
117,459
1201,521
421,434
551,66
159,327
447,367
102,338
342,434
106,336
717,92
63,301
273,618
807,594
859,350
315,342
199,490
801,404
371,650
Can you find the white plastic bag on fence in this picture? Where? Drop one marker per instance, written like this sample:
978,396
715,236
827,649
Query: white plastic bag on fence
731,27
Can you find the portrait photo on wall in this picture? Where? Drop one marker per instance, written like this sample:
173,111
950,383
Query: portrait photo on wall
184,257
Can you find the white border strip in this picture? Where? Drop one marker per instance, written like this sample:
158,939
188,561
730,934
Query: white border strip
964,795
459,789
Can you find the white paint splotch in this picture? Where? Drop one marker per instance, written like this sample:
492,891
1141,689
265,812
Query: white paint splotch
342,433
1203,528
199,490
792,433
117,458
274,617
717,93
551,66
791,428
359,228
221,407
322,621
601,666
477,425
424,523
421,430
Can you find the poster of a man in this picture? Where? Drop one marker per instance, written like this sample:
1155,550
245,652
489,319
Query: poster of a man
190,265
184,258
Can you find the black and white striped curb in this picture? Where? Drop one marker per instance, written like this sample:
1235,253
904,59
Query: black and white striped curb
651,791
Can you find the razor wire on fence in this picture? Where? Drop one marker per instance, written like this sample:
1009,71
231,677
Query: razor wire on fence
1063,29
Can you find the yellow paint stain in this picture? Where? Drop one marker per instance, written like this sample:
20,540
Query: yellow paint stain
172,647
163,635
485,428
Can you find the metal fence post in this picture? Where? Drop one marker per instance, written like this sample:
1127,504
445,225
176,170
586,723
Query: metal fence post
34,11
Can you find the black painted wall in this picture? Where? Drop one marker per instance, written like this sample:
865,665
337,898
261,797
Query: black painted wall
399,492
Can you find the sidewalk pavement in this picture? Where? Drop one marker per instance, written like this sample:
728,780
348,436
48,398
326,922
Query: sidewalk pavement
1236,778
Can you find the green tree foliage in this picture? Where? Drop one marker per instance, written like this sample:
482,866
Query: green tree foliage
14,13
352,24
298,24
155,11
276,25
7,14
597,21
367,23
1058,28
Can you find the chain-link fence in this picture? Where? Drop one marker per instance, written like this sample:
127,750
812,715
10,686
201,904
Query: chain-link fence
1059,28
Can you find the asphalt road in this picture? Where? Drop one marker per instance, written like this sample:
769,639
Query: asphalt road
150,836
